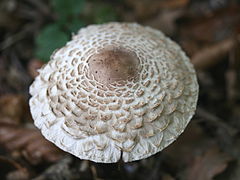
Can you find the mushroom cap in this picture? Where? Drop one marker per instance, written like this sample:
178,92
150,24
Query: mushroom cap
115,91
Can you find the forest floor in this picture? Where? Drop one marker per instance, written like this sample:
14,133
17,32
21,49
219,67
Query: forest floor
209,32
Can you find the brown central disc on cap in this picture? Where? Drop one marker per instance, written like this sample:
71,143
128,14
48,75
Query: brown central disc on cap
113,64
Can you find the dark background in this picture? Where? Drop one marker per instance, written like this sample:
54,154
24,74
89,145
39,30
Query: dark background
209,32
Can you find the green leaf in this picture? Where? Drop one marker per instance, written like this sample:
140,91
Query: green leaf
74,25
104,13
50,38
67,8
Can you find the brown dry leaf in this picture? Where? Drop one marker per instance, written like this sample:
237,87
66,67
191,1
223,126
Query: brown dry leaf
210,28
63,169
3,73
9,20
167,177
231,85
33,66
12,108
211,55
231,75
165,21
173,3
12,170
21,174
208,165
28,143
154,6
193,141
5,19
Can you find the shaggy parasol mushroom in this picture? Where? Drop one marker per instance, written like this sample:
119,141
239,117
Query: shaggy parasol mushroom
117,90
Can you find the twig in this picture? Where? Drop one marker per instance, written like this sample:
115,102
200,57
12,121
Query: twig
216,120
11,40
210,56
59,171
94,173
43,8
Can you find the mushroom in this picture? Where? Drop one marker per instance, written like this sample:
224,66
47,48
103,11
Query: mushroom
115,91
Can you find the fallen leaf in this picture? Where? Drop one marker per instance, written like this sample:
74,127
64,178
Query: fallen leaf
9,167
33,67
192,142
211,55
165,21
154,6
231,75
167,177
13,75
21,174
29,143
210,28
208,165
63,169
12,108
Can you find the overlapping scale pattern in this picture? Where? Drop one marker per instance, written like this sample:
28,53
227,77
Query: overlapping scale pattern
129,119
